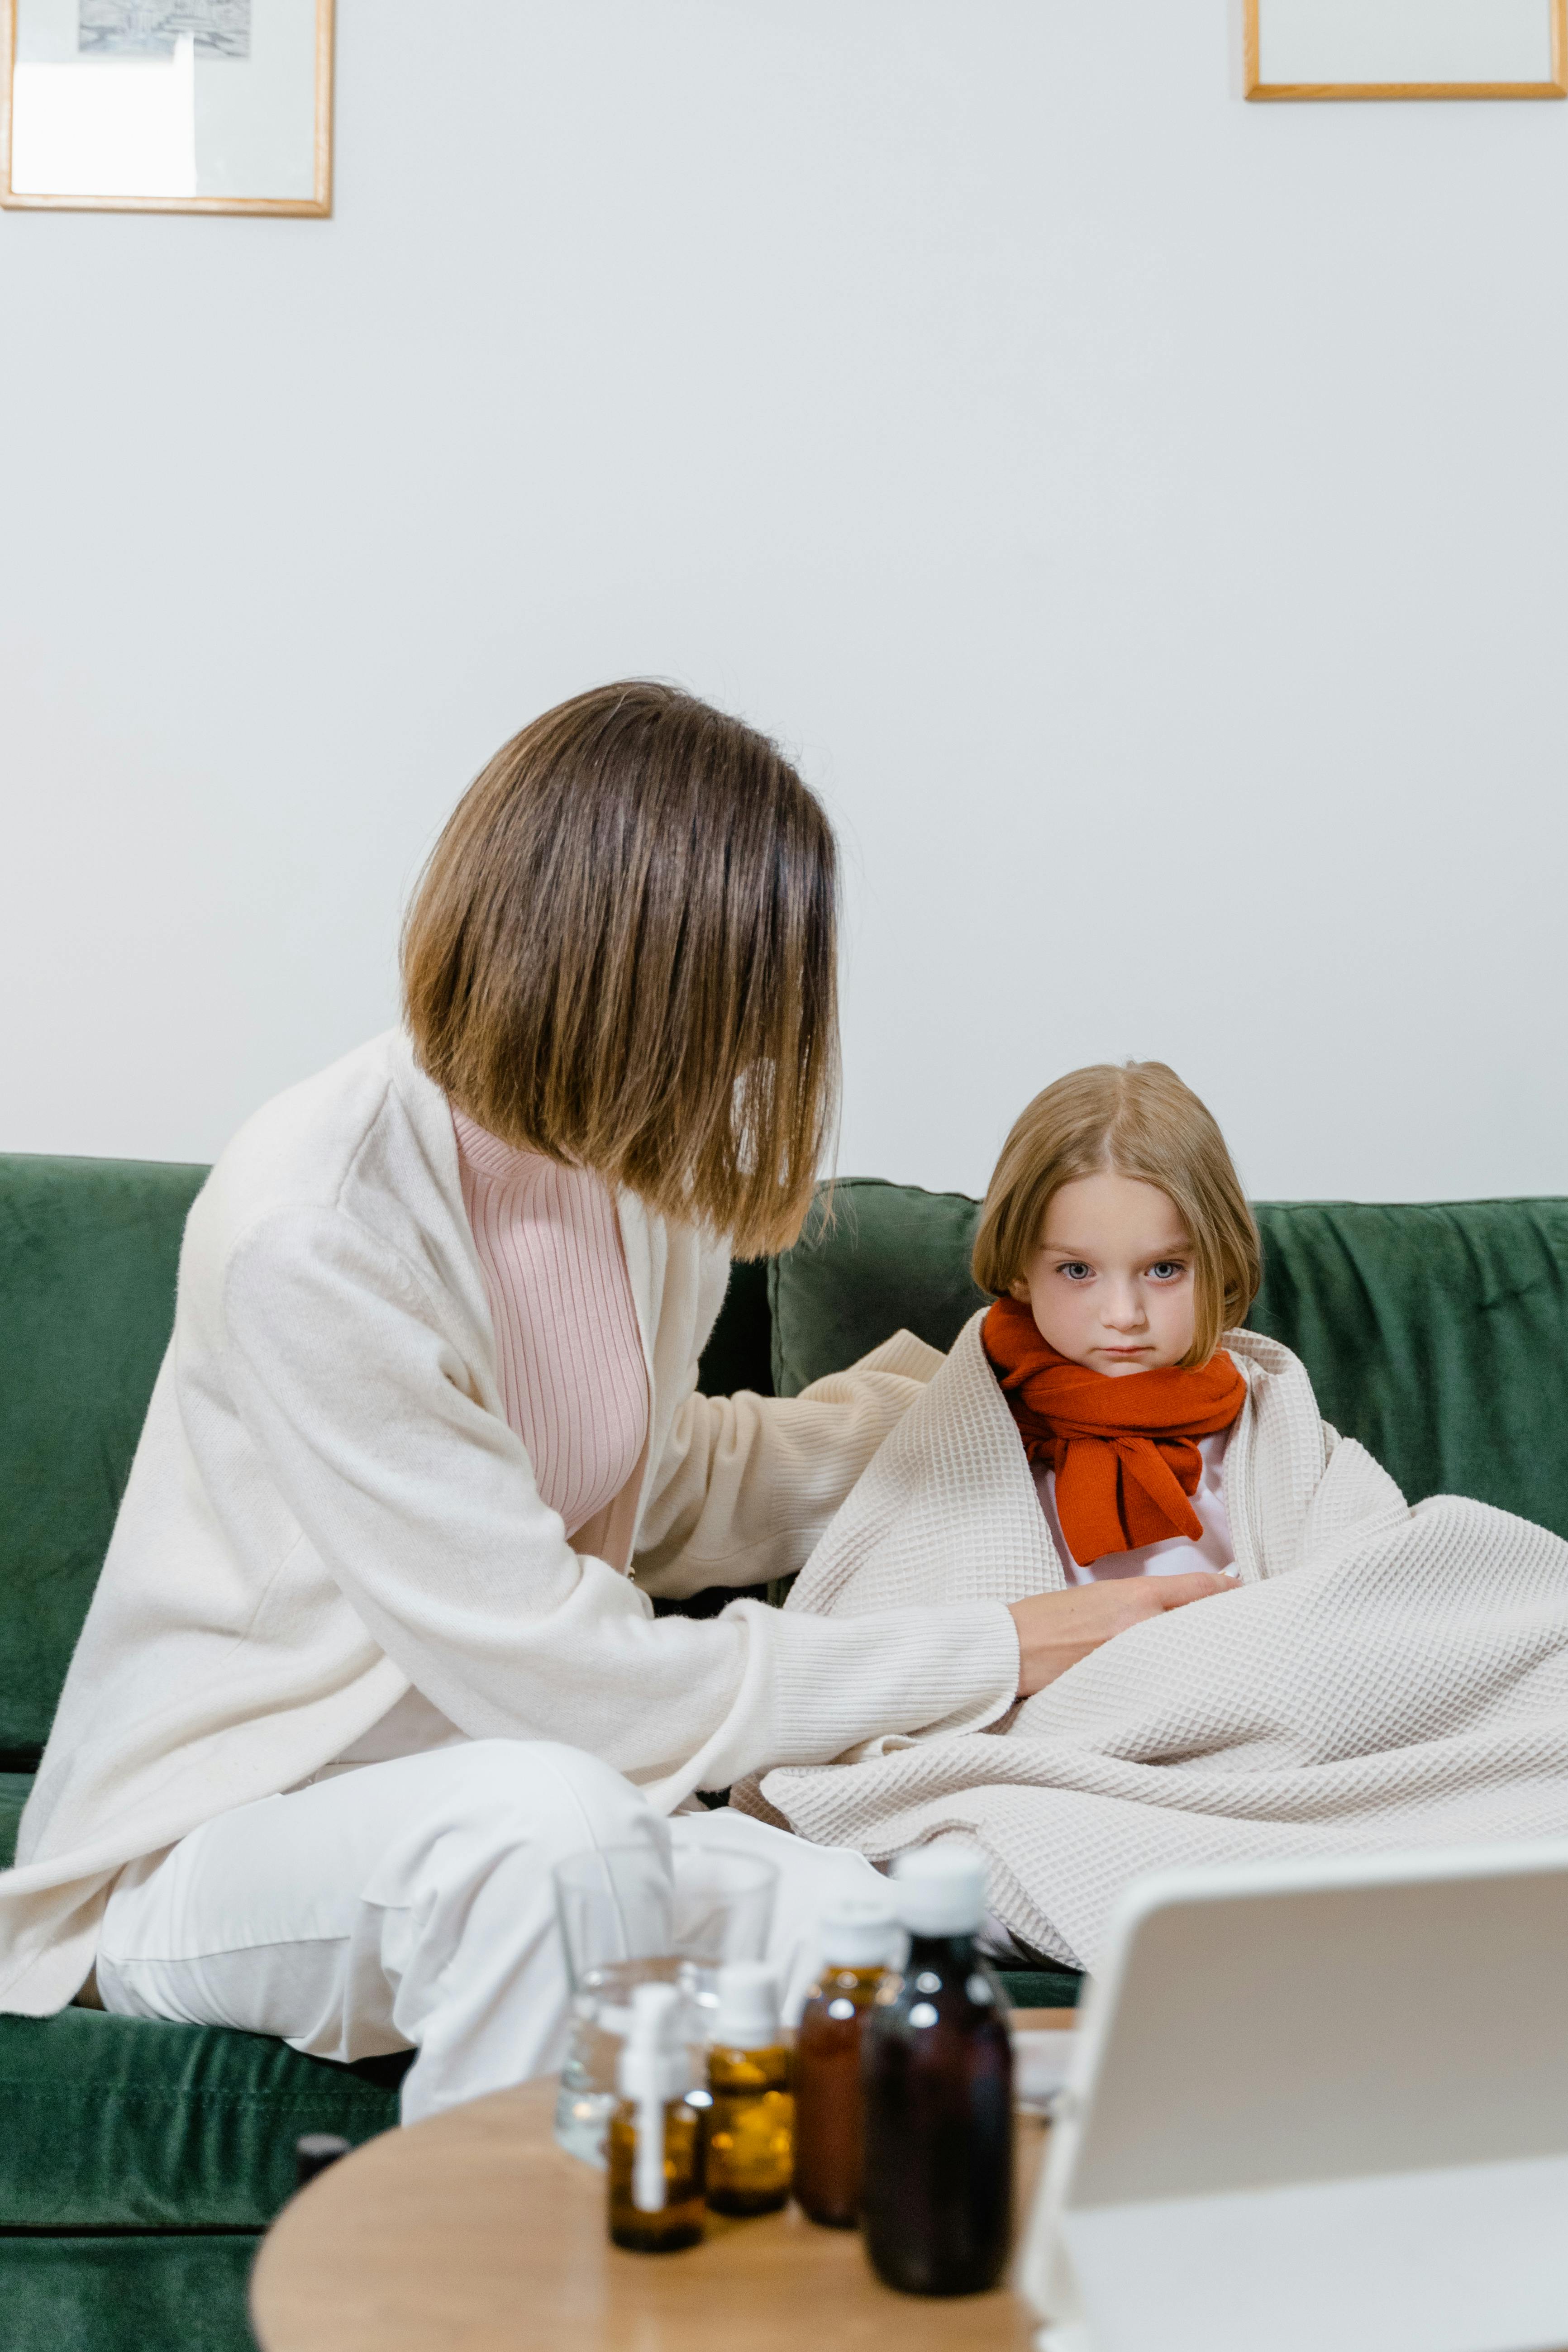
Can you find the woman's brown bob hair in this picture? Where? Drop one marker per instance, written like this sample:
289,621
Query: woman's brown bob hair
622,954
1135,1118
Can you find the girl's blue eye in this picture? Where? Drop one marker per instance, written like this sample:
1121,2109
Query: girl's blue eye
1165,1269
1075,1269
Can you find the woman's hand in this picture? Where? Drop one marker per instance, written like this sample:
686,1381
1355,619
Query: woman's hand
1057,1629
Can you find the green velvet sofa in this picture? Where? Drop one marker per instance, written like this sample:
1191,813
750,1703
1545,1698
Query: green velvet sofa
140,2162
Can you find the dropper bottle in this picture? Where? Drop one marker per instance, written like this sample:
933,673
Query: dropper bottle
750,2126
937,2066
655,2141
858,1938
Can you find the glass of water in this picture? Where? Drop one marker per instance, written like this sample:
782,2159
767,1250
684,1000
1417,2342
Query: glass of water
631,1916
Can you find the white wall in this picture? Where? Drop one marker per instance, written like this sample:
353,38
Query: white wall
1143,513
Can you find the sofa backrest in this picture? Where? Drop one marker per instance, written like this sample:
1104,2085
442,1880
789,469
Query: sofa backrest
1436,1333
88,1250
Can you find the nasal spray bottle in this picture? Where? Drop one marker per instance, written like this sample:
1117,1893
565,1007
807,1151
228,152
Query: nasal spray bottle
937,2059
655,2146
751,2127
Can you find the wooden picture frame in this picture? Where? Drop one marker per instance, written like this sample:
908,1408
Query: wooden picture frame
1263,80
307,81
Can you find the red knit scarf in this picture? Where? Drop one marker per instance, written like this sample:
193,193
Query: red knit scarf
1122,1448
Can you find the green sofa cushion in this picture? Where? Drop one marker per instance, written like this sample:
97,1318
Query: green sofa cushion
1435,1333
873,1256
104,2293
121,2123
14,1788
88,1250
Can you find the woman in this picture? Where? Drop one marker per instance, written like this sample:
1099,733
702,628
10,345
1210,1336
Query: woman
373,1645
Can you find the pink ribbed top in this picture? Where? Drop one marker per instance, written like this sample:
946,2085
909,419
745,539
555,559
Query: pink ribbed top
569,1355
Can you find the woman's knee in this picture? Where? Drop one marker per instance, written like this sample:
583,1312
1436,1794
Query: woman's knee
550,1796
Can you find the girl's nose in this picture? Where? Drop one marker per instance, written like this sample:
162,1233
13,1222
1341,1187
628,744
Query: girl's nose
1124,1311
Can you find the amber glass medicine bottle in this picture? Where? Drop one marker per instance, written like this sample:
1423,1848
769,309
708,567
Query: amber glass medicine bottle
655,2141
937,2067
859,1939
750,2124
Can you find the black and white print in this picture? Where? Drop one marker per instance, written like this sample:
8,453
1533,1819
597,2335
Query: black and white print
150,28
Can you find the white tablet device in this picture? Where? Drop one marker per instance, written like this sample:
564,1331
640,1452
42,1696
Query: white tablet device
1317,2107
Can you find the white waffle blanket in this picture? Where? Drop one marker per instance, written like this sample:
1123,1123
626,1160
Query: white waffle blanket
1384,1677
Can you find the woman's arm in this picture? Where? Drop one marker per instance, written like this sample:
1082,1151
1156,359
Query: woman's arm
420,1507
747,1484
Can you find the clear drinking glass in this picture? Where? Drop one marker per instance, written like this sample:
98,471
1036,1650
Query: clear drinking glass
628,1917
723,1911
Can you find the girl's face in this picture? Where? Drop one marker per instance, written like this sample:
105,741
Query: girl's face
1110,1285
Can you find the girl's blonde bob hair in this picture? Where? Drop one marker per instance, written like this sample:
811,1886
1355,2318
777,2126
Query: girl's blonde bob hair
1132,1118
622,954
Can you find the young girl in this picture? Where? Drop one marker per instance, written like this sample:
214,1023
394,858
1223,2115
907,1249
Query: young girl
1356,1675
1119,1242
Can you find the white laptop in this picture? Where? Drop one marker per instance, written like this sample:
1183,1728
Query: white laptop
1317,2107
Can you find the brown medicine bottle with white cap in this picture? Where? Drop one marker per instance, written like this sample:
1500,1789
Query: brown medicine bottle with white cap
654,2148
859,1939
937,2067
750,2124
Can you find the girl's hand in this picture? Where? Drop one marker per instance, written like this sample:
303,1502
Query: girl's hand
1057,1629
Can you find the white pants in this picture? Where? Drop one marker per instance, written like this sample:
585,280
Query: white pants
409,1905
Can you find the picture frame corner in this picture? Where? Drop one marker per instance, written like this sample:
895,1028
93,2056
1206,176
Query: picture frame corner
1414,84
318,205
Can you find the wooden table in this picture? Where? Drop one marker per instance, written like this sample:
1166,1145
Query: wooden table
474,2231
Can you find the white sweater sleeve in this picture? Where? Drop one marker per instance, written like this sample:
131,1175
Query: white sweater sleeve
747,1484
422,1507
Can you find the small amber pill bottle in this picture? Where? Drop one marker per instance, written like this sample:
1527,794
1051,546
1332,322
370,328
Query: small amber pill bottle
859,1939
654,2142
750,2124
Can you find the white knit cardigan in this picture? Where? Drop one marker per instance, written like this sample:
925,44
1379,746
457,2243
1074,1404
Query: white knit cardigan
328,1508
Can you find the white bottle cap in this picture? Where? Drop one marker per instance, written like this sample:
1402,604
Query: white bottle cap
655,2061
941,1889
858,1933
748,2016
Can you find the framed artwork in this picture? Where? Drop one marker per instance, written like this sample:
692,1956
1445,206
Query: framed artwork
1406,49
166,105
